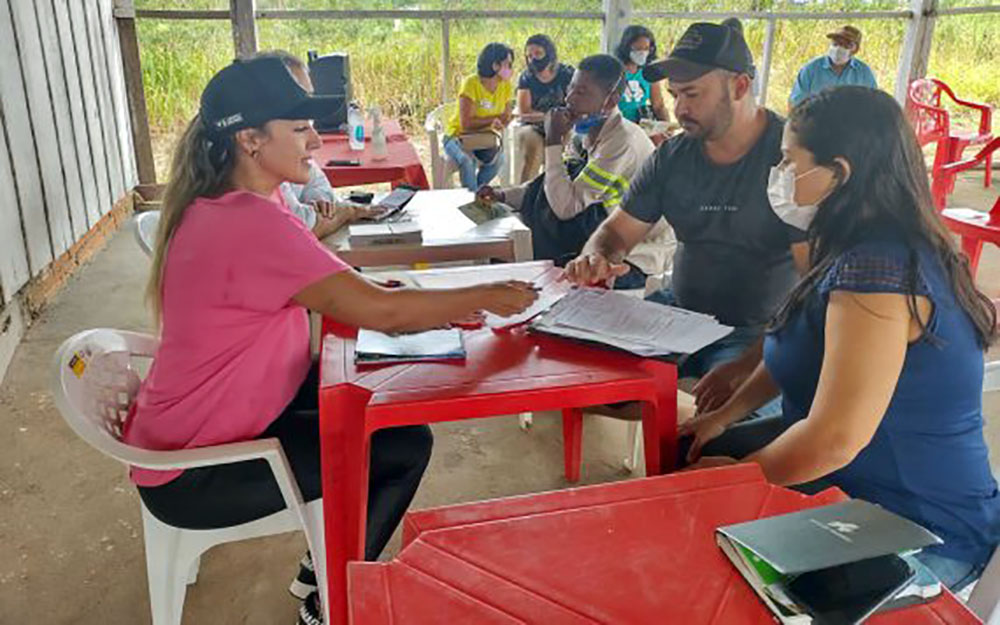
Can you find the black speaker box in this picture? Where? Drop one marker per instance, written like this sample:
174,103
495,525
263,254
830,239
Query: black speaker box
331,76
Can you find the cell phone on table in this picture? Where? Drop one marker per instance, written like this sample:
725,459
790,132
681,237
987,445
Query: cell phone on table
351,162
361,197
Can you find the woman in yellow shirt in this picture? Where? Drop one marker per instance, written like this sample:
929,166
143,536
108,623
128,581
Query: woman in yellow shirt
485,103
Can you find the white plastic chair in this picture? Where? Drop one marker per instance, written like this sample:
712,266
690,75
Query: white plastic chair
985,597
443,169
94,382
145,225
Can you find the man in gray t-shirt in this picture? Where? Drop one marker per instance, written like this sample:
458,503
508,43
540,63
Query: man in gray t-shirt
734,257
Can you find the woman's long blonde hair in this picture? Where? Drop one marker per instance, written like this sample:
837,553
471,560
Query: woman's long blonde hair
201,167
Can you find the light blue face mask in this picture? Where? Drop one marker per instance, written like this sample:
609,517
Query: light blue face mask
588,123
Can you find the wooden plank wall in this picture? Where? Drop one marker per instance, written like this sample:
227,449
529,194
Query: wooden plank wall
65,142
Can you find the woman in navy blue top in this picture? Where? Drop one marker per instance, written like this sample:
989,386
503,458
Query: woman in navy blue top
878,353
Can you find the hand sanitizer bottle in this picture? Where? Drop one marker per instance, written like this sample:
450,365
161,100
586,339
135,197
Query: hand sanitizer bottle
356,128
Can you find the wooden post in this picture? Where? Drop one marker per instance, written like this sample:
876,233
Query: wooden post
617,15
136,92
764,71
242,14
445,59
916,52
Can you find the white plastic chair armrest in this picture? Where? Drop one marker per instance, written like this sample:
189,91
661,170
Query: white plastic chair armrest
991,376
208,456
268,449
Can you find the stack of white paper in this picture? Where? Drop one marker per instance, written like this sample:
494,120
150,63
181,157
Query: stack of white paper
450,279
619,320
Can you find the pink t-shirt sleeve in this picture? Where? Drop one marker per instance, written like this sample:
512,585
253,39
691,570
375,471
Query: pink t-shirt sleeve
281,256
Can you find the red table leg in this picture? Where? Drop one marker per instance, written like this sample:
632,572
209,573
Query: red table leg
659,420
572,442
972,247
344,449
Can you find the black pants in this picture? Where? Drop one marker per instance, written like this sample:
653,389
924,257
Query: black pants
743,439
231,494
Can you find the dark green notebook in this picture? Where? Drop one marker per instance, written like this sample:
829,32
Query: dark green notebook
832,565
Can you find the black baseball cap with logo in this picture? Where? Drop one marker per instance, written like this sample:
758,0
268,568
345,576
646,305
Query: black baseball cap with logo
248,93
702,48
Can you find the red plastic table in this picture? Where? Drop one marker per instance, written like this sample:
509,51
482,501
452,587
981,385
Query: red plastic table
400,166
641,551
393,132
504,373
975,228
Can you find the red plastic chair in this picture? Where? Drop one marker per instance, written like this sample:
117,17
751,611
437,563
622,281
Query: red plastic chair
932,124
975,227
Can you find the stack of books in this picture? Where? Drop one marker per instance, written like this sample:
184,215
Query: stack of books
833,565
394,233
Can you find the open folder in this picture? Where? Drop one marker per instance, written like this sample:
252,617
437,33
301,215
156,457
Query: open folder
625,322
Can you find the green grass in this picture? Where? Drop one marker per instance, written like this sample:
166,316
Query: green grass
397,63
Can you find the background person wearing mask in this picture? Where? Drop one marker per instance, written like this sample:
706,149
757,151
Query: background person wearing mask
837,68
565,206
878,352
485,103
642,98
734,257
543,85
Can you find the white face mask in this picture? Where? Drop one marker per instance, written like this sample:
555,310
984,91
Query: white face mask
781,194
838,55
639,57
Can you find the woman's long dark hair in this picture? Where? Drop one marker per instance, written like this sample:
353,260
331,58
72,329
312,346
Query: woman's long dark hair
632,33
887,191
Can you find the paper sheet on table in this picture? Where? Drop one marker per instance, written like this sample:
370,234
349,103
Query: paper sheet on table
453,279
551,294
966,213
622,321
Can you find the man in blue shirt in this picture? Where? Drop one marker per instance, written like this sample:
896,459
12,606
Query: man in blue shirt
836,68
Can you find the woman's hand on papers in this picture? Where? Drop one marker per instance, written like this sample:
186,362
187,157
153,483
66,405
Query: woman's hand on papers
506,298
593,269
703,428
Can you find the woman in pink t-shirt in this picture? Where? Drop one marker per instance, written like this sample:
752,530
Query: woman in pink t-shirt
233,276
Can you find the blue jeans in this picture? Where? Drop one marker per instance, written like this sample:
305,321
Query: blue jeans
726,349
955,574
488,161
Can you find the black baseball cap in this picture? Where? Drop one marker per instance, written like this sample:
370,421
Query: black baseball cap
248,93
702,48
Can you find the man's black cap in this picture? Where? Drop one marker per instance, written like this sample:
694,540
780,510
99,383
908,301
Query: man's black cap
704,47
248,93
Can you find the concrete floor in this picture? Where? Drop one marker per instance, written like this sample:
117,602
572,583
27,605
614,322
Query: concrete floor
70,533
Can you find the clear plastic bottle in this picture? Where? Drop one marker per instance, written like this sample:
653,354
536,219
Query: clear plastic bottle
379,148
356,128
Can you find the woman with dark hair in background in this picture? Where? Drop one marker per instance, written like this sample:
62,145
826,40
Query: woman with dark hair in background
485,104
642,99
878,353
543,85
